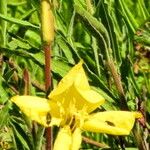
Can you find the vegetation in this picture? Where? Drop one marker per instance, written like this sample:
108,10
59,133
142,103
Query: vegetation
112,37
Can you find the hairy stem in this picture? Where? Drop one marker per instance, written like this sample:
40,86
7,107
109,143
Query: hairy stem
26,78
117,81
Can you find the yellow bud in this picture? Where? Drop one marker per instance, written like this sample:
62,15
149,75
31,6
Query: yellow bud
47,20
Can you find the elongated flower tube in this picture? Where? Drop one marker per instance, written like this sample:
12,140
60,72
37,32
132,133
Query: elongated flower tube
70,107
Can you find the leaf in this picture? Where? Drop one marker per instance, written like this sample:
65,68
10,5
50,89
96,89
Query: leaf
114,27
33,38
3,24
136,18
21,138
18,21
8,75
66,49
16,3
14,27
38,58
4,115
17,43
97,25
3,92
39,138
62,71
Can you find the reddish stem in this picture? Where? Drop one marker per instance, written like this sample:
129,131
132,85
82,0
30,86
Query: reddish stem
26,82
47,50
47,66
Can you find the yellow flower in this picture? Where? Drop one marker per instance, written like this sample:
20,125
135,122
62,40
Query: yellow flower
70,107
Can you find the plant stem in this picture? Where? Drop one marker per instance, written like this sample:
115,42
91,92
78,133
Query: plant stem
46,48
139,139
90,141
47,26
38,85
117,81
26,78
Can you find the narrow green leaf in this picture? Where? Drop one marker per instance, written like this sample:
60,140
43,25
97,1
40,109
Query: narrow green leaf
20,134
3,91
13,3
8,74
18,21
4,115
14,27
66,49
17,43
97,25
3,23
96,55
39,138
38,58
33,38
59,67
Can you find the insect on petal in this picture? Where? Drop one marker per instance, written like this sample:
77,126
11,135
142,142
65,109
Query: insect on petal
111,122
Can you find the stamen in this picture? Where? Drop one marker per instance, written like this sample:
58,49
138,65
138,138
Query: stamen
48,118
72,122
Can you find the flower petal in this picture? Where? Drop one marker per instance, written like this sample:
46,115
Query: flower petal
35,108
74,89
76,139
111,122
41,110
64,139
88,98
76,75
55,112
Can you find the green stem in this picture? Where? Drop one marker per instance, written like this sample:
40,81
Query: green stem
93,142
